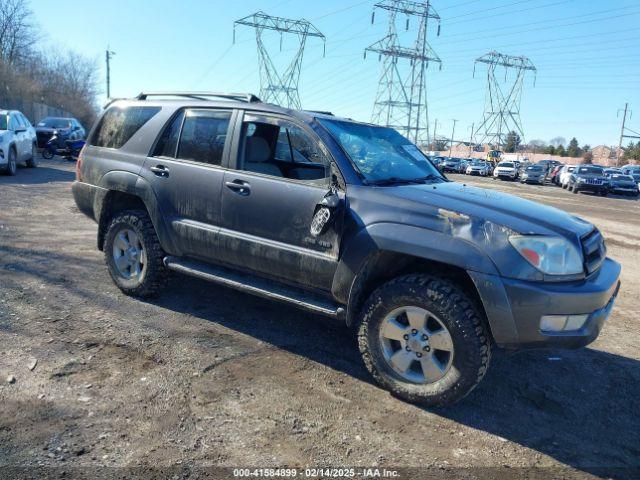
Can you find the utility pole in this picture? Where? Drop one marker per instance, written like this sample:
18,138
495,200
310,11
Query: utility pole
471,139
453,132
623,131
435,129
108,56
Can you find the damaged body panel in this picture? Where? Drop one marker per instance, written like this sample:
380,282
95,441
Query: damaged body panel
323,213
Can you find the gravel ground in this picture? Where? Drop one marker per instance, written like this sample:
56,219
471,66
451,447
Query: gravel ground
204,376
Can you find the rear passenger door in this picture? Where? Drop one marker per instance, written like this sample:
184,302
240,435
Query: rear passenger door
186,171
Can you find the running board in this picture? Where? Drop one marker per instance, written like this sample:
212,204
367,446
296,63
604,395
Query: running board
255,285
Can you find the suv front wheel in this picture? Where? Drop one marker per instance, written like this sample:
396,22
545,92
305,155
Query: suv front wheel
133,254
423,339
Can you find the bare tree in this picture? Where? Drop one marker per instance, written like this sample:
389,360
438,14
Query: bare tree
18,34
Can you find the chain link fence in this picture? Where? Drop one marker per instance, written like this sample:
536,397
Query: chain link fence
32,110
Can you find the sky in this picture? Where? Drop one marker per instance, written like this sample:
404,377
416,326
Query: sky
587,55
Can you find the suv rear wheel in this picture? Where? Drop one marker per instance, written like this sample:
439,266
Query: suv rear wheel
133,254
423,339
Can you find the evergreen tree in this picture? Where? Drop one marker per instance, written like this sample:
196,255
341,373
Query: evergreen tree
513,142
573,150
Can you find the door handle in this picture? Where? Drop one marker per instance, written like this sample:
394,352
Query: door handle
239,186
160,170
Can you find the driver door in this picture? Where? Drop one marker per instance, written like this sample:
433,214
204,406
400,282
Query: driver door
281,175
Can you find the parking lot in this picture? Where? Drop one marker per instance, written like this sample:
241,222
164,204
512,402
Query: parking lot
205,376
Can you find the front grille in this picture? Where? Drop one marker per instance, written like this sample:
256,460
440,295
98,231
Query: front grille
43,138
594,250
594,181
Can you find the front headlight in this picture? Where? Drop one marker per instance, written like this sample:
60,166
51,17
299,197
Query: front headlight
550,255
581,180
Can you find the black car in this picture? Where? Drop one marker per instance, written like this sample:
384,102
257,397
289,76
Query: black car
344,219
623,184
589,178
64,128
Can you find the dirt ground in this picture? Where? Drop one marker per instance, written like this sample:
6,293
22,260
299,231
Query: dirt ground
205,376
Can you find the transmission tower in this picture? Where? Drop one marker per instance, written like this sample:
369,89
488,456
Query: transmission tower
502,102
280,88
401,100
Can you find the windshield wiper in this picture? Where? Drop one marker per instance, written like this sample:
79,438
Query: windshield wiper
405,181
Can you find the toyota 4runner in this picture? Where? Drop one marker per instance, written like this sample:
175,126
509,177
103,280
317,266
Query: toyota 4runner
345,219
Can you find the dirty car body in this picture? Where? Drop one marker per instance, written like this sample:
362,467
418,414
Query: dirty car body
358,225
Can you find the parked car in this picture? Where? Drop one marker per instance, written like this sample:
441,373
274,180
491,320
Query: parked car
588,178
439,162
63,128
201,187
451,164
612,171
533,174
622,184
17,141
554,174
565,173
479,167
632,170
548,164
507,170
462,166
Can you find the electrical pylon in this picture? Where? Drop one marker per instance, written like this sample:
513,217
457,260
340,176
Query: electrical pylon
276,87
401,100
502,105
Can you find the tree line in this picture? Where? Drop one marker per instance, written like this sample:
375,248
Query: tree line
59,78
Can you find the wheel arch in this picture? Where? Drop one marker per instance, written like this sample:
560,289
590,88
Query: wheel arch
376,255
121,191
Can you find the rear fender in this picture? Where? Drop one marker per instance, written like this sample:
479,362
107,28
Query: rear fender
127,182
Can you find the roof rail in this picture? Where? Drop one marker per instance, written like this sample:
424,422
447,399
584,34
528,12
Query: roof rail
240,97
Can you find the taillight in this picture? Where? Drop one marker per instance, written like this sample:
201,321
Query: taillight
79,164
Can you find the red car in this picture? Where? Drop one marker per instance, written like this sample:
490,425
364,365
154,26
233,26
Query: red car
554,176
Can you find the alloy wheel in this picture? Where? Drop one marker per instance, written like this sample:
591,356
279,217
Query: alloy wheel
416,344
129,254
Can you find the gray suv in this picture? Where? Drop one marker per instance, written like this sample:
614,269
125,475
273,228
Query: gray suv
345,219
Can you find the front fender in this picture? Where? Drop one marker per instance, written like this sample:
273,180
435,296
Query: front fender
402,239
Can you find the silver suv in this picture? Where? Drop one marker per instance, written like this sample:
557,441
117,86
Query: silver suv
17,141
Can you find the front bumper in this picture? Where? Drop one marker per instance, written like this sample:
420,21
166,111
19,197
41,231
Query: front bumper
587,187
514,307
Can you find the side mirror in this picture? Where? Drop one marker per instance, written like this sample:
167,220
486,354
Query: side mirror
20,130
324,213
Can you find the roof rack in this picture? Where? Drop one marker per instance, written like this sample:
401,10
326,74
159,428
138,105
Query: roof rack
240,97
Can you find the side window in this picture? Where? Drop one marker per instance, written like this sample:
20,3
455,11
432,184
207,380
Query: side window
13,122
204,133
118,125
168,142
282,149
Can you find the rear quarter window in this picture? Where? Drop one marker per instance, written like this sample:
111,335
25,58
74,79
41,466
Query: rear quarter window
119,124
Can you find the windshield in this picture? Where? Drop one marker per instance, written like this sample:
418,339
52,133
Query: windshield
478,164
3,121
381,154
625,178
54,123
590,170
506,165
534,169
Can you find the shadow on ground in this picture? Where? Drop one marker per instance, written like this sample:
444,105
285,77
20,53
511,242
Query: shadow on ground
563,404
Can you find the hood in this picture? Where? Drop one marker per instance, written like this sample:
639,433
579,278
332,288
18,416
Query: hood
426,203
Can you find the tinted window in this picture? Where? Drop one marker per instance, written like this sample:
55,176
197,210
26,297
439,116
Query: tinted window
590,170
13,122
506,165
119,124
3,121
203,136
168,142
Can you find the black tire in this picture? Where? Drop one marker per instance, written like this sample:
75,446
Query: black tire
573,189
47,154
604,193
154,275
33,161
469,336
12,166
